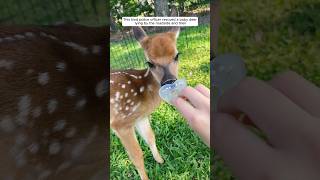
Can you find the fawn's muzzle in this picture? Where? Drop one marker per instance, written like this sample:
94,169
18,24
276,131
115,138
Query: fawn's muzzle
168,77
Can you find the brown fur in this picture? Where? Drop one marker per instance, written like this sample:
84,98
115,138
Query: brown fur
160,46
83,72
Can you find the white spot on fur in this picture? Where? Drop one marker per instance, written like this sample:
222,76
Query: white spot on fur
77,47
20,159
59,125
52,37
6,64
141,88
117,95
101,88
43,34
129,82
43,78
118,73
80,147
126,95
132,90
61,66
24,107
71,91
147,73
8,39
36,112
121,97
139,77
96,49
129,100
33,148
29,34
71,132
81,103
44,174
136,107
19,36
6,124
54,148
48,36
135,94
65,165
111,100
127,108
18,152
132,103
52,105
123,86
150,87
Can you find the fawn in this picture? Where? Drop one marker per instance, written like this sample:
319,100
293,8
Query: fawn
53,102
134,93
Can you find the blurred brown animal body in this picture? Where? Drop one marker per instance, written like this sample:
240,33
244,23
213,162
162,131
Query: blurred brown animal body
53,102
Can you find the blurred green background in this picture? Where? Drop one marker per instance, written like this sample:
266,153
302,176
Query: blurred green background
272,36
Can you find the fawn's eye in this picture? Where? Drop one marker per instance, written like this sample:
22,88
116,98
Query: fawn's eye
177,57
150,64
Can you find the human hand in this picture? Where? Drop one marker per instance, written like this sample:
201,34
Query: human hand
287,111
194,104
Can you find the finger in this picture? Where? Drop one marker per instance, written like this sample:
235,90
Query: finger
194,96
269,110
300,91
237,145
186,109
203,90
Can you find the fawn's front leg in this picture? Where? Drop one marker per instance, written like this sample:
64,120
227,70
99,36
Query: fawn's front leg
144,129
128,139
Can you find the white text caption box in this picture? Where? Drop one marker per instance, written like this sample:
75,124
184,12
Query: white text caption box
159,21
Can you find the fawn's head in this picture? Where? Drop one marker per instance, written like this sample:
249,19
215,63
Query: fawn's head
161,53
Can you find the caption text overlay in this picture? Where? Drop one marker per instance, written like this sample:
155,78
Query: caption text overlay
159,21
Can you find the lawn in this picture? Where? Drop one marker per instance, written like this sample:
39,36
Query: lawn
272,36
185,155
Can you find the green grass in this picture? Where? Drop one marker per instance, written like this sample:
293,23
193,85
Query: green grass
272,36
186,156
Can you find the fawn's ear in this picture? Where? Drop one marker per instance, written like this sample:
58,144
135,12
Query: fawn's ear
174,12
175,31
139,33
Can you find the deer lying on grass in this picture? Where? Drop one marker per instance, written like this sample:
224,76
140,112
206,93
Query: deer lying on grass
134,93
53,103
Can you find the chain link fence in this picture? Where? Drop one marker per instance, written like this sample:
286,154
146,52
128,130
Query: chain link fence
48,12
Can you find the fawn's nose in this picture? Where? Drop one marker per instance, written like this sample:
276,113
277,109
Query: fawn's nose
168,77
168,81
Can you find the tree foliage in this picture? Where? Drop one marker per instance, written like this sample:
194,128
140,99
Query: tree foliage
126,8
